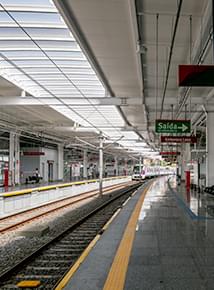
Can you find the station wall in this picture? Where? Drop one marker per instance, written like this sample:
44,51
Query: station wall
47,164
46,160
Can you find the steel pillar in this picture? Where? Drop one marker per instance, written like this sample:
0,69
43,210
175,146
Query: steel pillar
210,150
60,161
101,165
14,159
85,164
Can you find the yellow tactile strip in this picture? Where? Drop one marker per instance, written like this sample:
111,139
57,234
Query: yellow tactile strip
29,284
117,274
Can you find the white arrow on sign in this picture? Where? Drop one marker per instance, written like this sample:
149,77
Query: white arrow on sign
183,128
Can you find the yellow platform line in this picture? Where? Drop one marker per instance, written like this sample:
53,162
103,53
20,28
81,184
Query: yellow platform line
83,256
117,274
55,186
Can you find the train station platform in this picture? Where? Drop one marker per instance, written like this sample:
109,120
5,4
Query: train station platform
156,242
12,202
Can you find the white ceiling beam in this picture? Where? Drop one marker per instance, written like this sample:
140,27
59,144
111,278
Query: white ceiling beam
65,127
11,101
19,101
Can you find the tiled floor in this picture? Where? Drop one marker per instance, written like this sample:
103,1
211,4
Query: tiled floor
172,250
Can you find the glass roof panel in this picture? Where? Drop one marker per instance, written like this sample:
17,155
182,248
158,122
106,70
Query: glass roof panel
39,54
24,54
50,33
43,19
17,45
24,4
64,55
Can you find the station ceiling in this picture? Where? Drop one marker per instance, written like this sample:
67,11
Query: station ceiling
78,68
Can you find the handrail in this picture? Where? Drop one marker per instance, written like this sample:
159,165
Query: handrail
55,186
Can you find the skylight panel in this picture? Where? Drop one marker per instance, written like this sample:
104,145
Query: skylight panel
24,55
58,45
6,20
17,45
59,34
71,114
69,95
48,63
12,33
34,63
73,63
26,5
66,55
52,82
49,77
36,18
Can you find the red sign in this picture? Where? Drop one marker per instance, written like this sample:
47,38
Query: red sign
196,75
33,153
170,153
178,139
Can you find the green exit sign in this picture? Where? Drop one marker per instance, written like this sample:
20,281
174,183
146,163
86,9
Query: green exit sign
172,126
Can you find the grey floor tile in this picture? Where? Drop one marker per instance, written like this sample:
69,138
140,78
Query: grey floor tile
147,251
179,260
139,259
172,251
144,284
146,271
208,272
180,271
136,280
85,285
172,243
148,240
184,284
209,285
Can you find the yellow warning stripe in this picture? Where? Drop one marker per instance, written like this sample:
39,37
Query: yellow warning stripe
28,284
74,268
117,274
49,187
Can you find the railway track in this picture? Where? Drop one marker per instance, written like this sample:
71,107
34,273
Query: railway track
19,219
51,261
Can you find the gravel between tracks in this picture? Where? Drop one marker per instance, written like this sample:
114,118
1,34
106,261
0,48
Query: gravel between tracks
14,247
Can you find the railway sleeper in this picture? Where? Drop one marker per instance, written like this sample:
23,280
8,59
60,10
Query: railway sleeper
54,263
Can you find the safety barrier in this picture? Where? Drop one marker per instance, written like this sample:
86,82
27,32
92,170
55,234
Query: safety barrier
20,200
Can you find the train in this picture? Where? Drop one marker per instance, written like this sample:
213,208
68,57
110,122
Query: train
151,171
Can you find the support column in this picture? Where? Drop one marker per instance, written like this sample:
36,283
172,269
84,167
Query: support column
115,166
186,154
126,166
60,162
85,164
17,159
210,150
14,159
101,165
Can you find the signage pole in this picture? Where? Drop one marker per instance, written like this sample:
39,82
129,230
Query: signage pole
101,165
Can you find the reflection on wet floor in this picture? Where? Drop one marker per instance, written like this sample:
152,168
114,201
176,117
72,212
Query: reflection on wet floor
176,251
201,204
